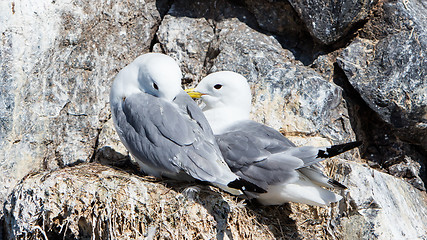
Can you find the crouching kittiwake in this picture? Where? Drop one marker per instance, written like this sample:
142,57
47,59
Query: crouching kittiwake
164,129
261,154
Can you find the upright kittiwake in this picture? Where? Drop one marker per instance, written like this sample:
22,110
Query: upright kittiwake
164,129
261,154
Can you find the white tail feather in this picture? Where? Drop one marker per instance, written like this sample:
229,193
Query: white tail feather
301,191
316,176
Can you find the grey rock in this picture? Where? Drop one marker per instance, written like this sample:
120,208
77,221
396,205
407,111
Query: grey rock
286,94
390,73
393,17
408,169
280,19
328,21
192,34
110,151
324,65
373,214
276,17
301,102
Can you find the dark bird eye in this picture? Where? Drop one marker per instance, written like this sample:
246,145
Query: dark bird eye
155,86
218,86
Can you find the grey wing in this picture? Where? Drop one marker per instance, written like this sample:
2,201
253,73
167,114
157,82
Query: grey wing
207,149
188,106
259,154
279,143
140,120
166,138
158,118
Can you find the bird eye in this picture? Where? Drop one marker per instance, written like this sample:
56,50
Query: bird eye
218,86
155,86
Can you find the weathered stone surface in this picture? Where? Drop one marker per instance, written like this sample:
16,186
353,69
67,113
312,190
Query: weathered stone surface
394,17
387,68
328,21
293,97
280,19
96,200
286,94
193,34
92,200
277,17
57,61
372,214
390,76
110,151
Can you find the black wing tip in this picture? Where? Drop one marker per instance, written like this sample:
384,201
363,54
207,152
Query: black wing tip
338,149
245,186
337,184
353,144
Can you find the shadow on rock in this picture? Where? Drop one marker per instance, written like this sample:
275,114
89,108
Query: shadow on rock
106,155
276,19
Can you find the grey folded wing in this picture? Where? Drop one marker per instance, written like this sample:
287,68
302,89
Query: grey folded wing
167,138
259,154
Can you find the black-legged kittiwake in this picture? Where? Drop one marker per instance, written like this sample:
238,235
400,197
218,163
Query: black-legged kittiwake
259,153
164,129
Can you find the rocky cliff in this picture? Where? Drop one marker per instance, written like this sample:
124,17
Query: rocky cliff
321,72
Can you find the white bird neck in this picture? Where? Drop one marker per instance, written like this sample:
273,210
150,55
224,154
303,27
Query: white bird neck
222,118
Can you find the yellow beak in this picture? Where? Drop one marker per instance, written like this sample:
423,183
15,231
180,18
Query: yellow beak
192,93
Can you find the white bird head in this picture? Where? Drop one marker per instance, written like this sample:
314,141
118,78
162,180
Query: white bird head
227,96
152,73
223,88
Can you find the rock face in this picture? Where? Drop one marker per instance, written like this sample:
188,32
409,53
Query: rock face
95,200
390,72
58,60
327,21
372,214
92,200
386,67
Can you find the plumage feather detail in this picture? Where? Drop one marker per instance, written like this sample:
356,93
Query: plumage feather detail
301,191
337,184
337,149
244,186
314,174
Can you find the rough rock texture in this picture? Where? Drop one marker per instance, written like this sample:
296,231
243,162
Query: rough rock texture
328,21
284,24
99,201
386,66
370,214
95,200
311,78
390,73
281,17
